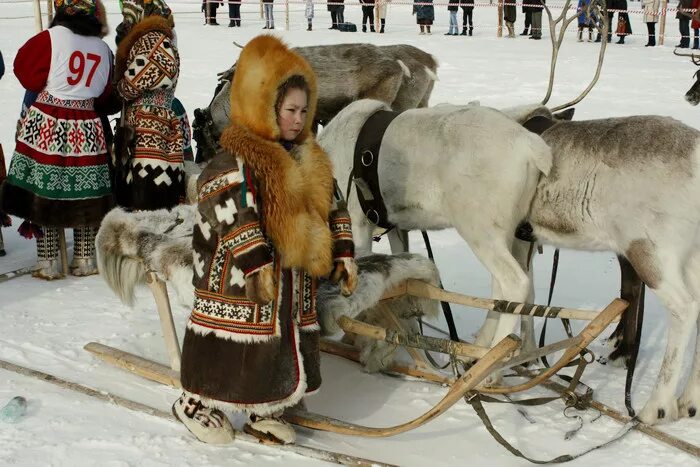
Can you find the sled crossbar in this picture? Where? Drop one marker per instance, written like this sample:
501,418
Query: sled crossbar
422,289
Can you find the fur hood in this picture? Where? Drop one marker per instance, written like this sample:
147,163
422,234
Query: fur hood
149,24
265,63
296,189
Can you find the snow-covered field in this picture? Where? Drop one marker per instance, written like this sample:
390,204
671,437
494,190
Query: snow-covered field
45,325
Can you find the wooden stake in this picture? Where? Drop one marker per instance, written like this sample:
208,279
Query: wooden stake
49,11
63,249
37,16
160,293
662,28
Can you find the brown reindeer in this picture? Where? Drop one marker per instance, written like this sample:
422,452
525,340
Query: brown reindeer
401,76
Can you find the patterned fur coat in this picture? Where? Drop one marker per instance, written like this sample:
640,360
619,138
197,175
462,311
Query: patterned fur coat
261,206
147,68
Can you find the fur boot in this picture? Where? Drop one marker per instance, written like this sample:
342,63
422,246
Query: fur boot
210,426
271,428
47,266
84,261
2,245
511,29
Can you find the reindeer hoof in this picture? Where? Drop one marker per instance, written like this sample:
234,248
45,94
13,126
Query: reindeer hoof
653,413
688,404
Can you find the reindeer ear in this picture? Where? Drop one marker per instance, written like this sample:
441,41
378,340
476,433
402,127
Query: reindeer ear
538,124
567,115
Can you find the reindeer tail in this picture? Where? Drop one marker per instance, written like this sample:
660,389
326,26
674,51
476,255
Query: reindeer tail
431,74
121,270
406,70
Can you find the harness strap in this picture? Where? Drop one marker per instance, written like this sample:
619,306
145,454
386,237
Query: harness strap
365,164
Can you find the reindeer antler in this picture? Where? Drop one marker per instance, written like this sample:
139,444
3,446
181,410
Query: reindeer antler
595,8
693,57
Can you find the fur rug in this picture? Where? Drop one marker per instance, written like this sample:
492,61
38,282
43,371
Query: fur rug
131,243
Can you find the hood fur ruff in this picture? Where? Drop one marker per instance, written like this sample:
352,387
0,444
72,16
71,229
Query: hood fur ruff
296,189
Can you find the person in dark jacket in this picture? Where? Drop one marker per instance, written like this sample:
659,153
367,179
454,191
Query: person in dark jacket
209,8
337,10
623,28
367,14
527,9
425,14
467,16
234,13
537,7
683,16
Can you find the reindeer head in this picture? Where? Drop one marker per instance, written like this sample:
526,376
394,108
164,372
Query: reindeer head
693,94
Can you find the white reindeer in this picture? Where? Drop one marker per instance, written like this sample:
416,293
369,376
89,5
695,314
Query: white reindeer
442,167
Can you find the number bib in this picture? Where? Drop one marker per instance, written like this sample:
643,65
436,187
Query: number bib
80,65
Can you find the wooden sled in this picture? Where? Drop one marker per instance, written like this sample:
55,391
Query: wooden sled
503,355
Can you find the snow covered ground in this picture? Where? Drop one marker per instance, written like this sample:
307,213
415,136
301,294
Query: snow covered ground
45,325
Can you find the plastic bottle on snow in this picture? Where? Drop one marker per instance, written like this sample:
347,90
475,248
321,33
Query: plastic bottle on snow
14,410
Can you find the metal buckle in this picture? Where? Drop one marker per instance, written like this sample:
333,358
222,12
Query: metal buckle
369,216
371,158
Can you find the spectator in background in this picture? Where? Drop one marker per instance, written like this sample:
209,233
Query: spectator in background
453,7
309,13
2,66
367,14
425,15
624,28
234,13
683,16
584,20
336,8
467,16
509,15
381,8
651,17
695,24
537,7
269,15
527,9
209,8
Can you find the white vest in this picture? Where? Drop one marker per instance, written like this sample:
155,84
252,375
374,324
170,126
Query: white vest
80,65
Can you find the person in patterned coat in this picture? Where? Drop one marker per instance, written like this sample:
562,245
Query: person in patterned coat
270,223
146,72
59,175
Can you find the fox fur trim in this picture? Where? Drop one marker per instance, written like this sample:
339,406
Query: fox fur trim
296,191
148,24
264,64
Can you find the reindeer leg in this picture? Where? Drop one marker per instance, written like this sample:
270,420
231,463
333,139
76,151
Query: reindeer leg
631,290
689,402
521,252
683,314
398,240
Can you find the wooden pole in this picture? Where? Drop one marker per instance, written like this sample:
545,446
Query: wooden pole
615,415
63,250
312,453
662,29
499,31
37,16
49,11
133,363
422,289
416,341
464,384
286,14
160,293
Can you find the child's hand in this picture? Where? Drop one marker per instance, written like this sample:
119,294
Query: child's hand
345,272
260,287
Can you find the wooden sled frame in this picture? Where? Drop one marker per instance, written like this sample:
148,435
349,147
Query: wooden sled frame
503,355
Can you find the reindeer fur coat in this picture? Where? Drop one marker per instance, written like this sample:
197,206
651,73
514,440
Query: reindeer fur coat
261,206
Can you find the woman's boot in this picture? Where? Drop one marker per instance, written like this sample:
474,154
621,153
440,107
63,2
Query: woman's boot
84,260
47,265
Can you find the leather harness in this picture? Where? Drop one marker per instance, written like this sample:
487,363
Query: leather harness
366,161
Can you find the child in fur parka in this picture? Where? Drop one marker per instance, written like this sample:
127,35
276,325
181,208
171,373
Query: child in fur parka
269,225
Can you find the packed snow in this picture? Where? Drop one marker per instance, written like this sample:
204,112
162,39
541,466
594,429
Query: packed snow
46,324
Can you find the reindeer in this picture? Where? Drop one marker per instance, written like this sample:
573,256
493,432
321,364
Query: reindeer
628,185
400,75
693,94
